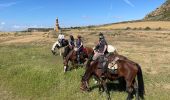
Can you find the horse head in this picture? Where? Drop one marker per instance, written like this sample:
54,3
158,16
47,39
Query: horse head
84,85
55,45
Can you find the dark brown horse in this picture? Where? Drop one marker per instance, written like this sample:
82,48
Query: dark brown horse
127,69
72,57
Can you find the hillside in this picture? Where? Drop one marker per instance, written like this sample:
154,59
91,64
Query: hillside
162,13
141,25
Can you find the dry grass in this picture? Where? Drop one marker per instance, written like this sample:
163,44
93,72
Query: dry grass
139,25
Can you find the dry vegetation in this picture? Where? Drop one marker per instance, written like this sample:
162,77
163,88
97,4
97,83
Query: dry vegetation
29,71
165,25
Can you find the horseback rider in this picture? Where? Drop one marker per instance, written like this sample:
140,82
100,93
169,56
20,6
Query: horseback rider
71,42
61,38
79,46
70,46
100,50
101,47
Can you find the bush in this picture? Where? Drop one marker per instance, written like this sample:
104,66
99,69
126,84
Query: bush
135,28
159,28
16,34
127,28
147,28
140,28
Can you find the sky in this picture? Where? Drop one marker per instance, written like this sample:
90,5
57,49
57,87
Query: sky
16,15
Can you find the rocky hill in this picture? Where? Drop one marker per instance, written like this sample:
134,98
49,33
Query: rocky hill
160,14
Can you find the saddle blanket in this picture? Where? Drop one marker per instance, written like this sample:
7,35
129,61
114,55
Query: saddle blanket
113,65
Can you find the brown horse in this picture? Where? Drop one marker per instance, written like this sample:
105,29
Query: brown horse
72,57
127,69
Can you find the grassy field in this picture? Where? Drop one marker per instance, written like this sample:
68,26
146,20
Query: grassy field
28,70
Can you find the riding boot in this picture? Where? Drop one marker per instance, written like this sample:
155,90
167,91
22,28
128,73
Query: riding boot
61,42
104,66
104,69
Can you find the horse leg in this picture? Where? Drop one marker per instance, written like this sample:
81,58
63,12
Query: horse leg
101,89
129,90
73,65
106,90
99,82
65,69
60,51
136,90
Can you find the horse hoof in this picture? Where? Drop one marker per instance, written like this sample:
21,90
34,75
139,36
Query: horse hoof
65,69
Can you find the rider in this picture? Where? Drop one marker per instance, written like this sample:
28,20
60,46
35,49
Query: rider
101,47
99,50
61,38
79,45
71,42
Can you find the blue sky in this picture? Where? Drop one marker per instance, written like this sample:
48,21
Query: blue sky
20,14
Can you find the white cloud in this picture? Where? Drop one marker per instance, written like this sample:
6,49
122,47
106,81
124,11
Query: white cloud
129,3
2,23
23,27
17,26
4,5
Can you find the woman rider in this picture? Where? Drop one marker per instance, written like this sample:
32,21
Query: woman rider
79,45
101,48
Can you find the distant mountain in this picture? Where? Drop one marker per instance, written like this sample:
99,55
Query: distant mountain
160,14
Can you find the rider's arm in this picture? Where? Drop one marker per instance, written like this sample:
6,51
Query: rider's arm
80,45
105,47
96,47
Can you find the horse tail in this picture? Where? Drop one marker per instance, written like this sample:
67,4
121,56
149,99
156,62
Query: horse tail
140,82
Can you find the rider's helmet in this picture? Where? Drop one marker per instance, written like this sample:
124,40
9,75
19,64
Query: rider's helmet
78,36
71,37
101,36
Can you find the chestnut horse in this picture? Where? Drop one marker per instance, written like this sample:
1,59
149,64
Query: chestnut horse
72,57
127,69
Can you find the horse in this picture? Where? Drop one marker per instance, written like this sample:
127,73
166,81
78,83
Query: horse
127,69
72,57
59,46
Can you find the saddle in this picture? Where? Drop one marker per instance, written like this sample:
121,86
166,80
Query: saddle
112,66
107,66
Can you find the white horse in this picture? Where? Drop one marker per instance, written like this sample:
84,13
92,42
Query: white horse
59,46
